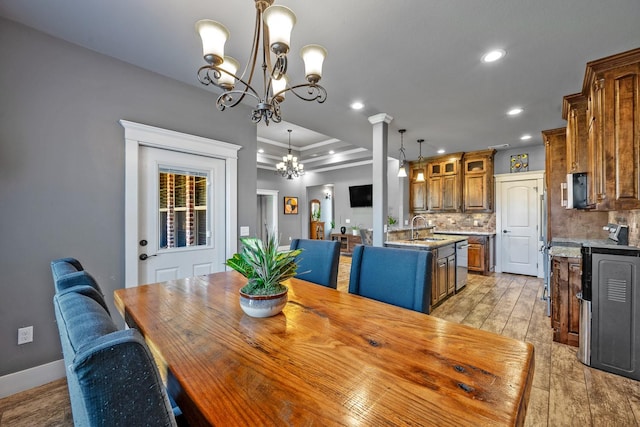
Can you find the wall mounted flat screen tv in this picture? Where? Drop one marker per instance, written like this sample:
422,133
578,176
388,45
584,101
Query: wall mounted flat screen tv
361,196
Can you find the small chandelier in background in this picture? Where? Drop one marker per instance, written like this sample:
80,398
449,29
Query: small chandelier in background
420,177
273,30
289,166
402,170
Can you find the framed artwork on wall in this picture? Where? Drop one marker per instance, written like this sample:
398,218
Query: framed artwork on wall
290,205
520,162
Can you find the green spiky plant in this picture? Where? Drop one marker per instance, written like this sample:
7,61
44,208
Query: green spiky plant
263,265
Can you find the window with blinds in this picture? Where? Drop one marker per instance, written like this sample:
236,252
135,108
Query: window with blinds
183,208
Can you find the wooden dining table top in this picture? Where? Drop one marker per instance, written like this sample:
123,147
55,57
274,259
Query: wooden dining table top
330,358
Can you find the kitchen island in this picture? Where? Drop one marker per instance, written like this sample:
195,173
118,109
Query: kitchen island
445,262
482,249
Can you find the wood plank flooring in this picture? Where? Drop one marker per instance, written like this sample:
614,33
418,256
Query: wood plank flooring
564,392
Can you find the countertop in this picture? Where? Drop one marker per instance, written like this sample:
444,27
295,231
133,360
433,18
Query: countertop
426,244
571,247
466,232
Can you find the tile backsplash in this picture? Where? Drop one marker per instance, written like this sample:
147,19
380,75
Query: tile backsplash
463,221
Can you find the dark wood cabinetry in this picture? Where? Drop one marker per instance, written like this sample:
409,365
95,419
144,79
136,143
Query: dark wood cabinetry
444,184
418,192
602,134
452,184
478,181
574,111
317,230
443,283
566,282
347,241
480,255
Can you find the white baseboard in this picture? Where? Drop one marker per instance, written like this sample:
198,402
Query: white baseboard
30,378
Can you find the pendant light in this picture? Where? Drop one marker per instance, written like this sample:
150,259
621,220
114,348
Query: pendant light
420,177
402,171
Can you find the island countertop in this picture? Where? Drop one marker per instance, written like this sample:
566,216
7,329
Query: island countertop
427,243
466,232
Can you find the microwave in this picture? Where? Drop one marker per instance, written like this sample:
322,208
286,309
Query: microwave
574,191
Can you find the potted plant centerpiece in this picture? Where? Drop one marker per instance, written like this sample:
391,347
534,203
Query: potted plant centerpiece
264,294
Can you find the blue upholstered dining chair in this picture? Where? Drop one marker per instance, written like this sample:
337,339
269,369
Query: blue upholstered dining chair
400,277
318,262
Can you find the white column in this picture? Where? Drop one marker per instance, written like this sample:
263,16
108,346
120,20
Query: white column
380,124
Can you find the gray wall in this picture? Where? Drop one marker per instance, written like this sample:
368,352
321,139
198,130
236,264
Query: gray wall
502,160
62,171
297,225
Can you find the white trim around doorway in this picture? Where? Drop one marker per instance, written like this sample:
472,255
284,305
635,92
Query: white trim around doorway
137,135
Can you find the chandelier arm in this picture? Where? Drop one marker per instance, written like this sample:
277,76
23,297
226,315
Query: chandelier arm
315,92
226,99
205,74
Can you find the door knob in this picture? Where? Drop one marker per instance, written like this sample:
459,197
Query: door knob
145,256
506,231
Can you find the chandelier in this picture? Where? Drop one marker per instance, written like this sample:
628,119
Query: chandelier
420,177
271,37
289,166
402,170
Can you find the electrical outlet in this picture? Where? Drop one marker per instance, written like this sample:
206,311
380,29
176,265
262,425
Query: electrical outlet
25,335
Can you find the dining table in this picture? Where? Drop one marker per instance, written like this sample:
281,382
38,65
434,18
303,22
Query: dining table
330,358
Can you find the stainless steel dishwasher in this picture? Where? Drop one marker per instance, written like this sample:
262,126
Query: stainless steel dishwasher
462,262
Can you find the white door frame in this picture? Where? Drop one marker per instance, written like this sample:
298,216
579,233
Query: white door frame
274,209
136,135
508,177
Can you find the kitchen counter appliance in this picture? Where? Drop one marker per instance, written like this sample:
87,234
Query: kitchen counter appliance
610,307
462,261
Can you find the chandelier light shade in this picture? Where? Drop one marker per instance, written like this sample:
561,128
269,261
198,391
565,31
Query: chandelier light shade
289,167
402,170
420,177
271,44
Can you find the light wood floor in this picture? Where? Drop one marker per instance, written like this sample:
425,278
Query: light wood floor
564,392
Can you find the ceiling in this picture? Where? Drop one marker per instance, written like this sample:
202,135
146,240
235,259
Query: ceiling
418,61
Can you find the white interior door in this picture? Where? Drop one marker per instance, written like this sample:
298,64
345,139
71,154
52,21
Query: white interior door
519,226
181,216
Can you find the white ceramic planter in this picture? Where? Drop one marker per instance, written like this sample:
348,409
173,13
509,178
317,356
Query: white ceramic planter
263,305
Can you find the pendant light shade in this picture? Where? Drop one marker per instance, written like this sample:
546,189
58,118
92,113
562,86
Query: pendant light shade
420,177
402,170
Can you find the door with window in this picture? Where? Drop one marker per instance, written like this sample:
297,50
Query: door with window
181,215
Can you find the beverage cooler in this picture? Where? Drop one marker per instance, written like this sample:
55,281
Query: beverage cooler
610,309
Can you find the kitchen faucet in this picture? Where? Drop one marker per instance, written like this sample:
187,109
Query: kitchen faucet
413,221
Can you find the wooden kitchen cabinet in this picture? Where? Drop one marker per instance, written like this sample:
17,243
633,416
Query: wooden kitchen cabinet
443,283
418,190
574,111
480,254
444,184
478,181
612,85
566,282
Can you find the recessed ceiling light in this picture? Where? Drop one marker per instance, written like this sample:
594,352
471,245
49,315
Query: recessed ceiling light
332,152
357,105
441,151
493,55
515,111
525,137
261,151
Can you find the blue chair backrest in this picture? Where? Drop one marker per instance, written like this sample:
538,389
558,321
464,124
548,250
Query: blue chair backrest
318,262
401,277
